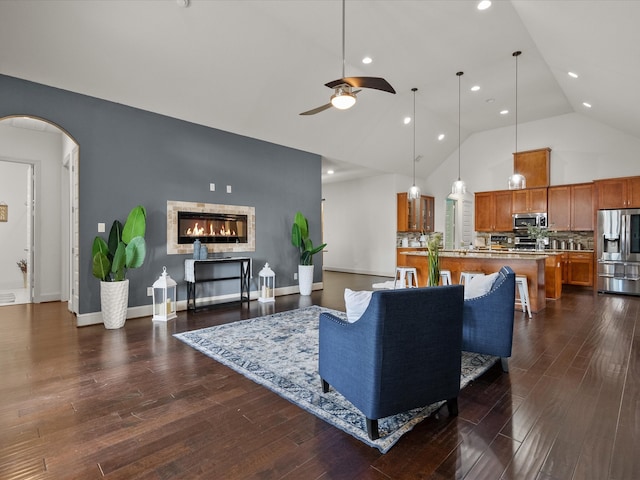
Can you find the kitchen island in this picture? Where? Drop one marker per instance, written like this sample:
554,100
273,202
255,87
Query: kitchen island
529,264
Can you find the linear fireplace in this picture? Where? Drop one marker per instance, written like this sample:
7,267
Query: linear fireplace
211,227
224,228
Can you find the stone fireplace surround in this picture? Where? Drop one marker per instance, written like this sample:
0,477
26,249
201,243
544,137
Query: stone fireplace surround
173,207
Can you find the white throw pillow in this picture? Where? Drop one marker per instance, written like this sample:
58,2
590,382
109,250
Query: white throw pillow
356,303
479,285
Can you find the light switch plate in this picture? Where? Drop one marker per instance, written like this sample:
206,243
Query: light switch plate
228,188
101,227
212,187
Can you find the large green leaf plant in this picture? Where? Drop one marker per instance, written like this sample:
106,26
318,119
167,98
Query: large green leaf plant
125,248
300,239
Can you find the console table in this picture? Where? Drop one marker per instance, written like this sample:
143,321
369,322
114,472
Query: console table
203,271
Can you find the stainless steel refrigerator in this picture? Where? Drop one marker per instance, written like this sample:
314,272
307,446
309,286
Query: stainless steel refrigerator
619,251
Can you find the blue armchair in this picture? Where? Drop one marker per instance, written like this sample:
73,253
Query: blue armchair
487,321
404,352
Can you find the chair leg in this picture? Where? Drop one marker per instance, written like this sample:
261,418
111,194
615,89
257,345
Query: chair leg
372,429
325,385
452,406
505,364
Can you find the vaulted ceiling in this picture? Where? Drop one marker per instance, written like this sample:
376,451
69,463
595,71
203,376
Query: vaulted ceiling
251,66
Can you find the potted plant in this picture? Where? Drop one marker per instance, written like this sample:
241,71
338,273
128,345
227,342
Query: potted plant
125,249
433,246
300,239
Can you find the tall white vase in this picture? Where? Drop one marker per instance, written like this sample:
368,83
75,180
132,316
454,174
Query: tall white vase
305,279
114,299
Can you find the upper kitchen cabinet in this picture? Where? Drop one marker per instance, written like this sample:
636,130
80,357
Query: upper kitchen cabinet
529,200
570,207
534,165
493,211
415,215
618,193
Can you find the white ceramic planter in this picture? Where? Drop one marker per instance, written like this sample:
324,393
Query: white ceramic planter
114,299
305,279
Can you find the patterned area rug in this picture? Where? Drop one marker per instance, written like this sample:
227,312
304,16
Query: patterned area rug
280,352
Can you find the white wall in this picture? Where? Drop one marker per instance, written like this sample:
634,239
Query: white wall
582,150
13,233
44,149
360,224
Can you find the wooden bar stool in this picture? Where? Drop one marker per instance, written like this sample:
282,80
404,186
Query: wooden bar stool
523,293
407,276
445,276
466,276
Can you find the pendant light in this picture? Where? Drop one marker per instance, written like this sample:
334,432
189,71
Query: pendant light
458,189
414,191
517,181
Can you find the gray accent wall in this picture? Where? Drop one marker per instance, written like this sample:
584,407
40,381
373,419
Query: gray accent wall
130,156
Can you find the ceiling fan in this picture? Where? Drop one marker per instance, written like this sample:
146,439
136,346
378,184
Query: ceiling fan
344,95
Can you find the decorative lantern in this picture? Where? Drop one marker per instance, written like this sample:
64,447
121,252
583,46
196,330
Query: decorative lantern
164,297
267,285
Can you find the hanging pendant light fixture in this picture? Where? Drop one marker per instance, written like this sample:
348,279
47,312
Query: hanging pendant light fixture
517,181
458,189
414,191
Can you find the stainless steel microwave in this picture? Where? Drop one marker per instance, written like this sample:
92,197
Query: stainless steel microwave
523,220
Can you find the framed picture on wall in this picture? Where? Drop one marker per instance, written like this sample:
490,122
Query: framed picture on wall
4,212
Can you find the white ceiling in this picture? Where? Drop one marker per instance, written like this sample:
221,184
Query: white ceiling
251,67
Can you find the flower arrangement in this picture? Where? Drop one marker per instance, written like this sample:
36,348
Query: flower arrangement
537,232
22,265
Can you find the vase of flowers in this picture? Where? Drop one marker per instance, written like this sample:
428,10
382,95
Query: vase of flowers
22,265
541,236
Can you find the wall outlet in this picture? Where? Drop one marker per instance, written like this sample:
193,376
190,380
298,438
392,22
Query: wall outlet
228,188
149,291
212,187
295,275
101,227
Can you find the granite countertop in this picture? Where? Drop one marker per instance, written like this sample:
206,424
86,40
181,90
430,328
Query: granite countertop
484,254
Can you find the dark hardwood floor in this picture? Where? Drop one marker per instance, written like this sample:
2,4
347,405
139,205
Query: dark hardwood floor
135,403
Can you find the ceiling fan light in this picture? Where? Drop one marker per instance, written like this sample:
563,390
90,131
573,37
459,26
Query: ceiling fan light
343,99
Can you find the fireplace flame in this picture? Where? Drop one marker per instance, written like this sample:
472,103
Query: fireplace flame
198,231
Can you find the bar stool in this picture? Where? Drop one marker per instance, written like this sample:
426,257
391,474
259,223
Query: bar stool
466,276
404,274
445,276
523,293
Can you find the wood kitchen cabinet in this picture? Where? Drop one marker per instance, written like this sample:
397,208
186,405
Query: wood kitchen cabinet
580,268
618,192
529,200
415,215
535,166
493,211
570,207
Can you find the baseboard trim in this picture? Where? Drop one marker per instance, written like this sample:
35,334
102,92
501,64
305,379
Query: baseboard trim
95,318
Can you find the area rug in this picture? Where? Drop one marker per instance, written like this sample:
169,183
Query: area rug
280,352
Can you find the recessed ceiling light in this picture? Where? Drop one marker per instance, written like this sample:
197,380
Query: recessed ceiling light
484,4
572,75
504,112
367,60
183,3
441,137
475,88
407,120
330,172
586,104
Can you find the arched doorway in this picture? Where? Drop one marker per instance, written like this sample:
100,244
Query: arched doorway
51,156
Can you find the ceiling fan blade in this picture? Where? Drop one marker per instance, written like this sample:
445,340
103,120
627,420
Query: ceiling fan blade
377,83
317,110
